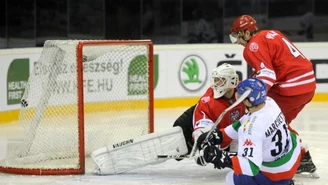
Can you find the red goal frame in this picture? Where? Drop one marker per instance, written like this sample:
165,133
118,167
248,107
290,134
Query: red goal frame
82,156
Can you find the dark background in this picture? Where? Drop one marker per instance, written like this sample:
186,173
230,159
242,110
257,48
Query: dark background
28,23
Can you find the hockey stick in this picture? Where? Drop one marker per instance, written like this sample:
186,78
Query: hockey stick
186,156
173,156
239,100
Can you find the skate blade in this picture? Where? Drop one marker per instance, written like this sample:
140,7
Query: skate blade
313,175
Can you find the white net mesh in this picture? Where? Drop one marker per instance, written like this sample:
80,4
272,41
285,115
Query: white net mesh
116,103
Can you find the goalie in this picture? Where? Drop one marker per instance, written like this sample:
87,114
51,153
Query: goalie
201,117
179,140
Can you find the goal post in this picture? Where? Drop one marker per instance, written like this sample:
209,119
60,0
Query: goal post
81,96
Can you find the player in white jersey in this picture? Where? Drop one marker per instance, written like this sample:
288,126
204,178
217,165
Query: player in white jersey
268,153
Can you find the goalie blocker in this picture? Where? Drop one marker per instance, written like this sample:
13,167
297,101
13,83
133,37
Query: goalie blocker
139,152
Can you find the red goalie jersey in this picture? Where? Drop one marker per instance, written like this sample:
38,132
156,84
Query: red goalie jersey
209,108
279,64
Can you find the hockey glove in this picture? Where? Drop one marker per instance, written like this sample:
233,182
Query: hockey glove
219,158
200,160
213,139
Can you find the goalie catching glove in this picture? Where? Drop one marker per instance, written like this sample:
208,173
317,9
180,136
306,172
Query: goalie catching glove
215,138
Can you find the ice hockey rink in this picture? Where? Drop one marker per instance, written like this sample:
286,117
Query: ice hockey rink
311,124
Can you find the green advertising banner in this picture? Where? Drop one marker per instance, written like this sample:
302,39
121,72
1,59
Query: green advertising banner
137,75
17,77
156,59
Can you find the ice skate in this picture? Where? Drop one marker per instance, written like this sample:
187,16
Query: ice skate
307,167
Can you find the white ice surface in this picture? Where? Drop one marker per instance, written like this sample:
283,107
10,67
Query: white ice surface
312,125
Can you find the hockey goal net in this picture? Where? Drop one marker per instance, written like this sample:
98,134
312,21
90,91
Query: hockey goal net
82,95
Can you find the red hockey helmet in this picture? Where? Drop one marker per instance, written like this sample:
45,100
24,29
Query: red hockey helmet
242,23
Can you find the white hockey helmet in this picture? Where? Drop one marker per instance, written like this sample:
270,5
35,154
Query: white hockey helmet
223,78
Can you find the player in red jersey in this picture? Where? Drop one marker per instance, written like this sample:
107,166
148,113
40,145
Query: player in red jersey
288,74
201,117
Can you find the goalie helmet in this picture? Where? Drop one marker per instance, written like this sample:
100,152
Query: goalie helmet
258,89
222,79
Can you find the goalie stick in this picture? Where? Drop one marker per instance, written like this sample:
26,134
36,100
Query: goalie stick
186,156
239,100
173,156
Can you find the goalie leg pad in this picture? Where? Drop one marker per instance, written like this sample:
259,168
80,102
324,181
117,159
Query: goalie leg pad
139,152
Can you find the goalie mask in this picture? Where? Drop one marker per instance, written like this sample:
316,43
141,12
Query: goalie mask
223,78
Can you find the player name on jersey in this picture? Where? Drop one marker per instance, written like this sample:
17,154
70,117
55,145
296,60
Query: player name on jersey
274,126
